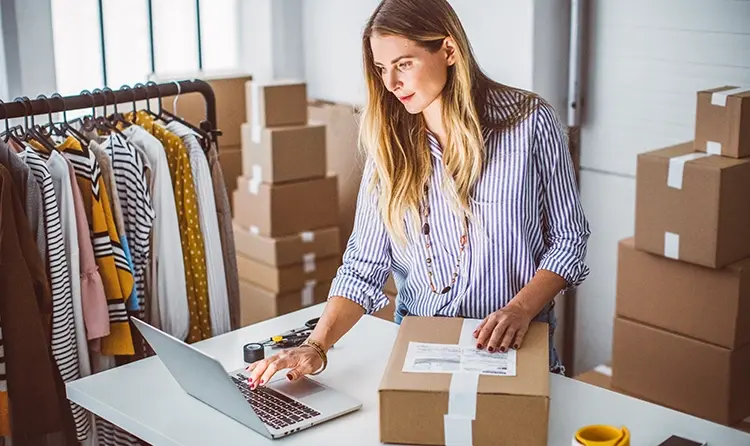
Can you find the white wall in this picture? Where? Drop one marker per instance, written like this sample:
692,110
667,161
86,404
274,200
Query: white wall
647,60
500,32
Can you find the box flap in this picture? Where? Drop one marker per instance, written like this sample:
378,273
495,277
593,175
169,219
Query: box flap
532,367
712,161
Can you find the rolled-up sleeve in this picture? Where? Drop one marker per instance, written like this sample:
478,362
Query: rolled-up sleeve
366,262
566,227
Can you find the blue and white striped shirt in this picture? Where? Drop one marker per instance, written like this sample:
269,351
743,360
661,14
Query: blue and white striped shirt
531,218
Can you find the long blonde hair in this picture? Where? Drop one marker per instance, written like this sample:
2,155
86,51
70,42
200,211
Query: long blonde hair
396,140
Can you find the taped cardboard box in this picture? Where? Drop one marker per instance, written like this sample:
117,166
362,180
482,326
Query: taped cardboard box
276,210
275,103
290,153
229,90
658,366
343,156
711,305
693,207
230,158
722,121
599,376
287,278
304,247
744,426
432,408
259,304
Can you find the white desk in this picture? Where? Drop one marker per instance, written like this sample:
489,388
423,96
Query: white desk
142,398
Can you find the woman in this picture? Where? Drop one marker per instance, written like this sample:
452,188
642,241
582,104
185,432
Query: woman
468,195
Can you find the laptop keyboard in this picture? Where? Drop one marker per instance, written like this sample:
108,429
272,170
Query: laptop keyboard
274,408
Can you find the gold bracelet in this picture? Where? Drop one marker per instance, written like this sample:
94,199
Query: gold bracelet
315,345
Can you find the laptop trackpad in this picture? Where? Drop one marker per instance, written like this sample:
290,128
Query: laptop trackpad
297,389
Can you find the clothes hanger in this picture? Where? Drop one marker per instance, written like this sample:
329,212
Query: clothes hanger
200,133
116,117
102,120
67,128
9,131
30,133
50,128
148,100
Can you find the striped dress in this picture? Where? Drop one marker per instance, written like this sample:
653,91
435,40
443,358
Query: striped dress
110,257
63,344
528,217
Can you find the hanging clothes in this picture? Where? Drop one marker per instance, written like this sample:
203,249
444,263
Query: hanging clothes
209,223
110,258
64,348
168,306
28,188
33,380
191,236
224,214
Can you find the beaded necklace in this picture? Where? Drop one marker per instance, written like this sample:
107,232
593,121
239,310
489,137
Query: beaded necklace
463,241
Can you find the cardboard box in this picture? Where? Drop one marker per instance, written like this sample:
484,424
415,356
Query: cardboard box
712,305
390,286
413,406
600,376
744,426
290,153
722,121
287,278
230,159
258,304
275,103
276,210
693,207
288,250
681,373
229,90
344,156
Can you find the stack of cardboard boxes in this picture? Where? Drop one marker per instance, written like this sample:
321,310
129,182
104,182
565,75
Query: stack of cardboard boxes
285,205
682,325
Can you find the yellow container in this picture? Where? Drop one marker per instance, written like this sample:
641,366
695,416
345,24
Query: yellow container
602,435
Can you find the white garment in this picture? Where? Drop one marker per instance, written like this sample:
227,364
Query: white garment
218,297
169,310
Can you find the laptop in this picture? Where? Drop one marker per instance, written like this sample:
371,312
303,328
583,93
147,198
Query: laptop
275,410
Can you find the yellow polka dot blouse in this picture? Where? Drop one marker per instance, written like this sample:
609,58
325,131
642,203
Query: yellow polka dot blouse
193,253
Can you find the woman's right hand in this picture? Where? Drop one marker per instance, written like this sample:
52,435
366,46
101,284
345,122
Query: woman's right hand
301,361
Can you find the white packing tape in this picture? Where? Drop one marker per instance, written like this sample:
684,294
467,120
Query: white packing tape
462,409
603,369
253,186
720,97
308,262
462,395
713,148
255,129
307,236
254,230
671,245
677,168
307,296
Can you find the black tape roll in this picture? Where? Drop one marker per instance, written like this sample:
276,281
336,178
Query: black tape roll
253,352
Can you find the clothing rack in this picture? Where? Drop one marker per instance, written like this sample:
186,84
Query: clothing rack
44,105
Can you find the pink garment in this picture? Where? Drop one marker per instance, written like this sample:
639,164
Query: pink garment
93,299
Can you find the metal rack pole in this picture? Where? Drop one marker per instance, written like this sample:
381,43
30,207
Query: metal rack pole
77,102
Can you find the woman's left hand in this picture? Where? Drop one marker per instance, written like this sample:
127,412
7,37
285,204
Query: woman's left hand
503,329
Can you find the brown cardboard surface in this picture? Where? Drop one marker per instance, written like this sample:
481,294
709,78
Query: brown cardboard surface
289,153
744,426
343,156
712,305
289,208
710,213
413,405
287,250
728,125
258,304
286,278
659,366
596,378
280,102
229,90
390,286
230,159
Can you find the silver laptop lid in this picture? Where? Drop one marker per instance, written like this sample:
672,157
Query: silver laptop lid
201,376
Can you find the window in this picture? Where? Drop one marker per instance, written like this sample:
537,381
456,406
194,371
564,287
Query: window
111,43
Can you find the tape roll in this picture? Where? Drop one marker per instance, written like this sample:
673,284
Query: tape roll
253,352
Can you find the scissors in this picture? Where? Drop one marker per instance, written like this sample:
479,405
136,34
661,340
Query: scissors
292,338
